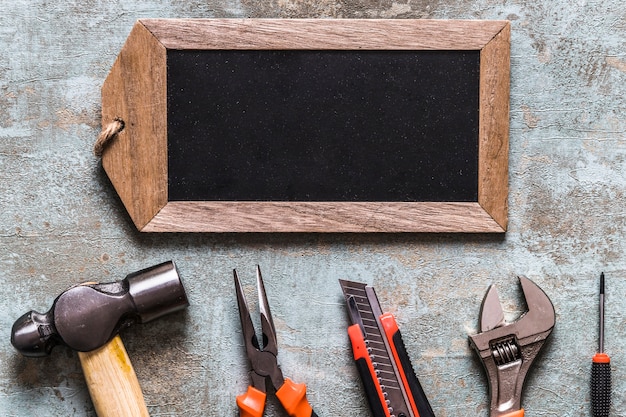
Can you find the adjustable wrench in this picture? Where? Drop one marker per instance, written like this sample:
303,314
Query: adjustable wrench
507,350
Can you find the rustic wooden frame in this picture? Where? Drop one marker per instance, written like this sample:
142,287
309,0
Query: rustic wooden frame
136,91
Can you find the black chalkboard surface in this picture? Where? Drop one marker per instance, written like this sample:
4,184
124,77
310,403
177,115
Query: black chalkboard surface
323,125
310,125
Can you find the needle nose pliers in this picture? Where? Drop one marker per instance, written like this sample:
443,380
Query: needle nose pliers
264,364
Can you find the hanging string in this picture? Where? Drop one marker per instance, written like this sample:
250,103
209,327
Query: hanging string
109,132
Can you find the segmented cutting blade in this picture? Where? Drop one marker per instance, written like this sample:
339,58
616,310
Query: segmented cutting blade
365,311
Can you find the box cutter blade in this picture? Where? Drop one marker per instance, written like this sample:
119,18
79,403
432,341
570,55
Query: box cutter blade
390,383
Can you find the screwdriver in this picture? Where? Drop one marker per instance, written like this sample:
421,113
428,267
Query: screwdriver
601,369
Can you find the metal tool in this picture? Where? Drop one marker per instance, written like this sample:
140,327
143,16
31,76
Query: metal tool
507,350
264,362
87,318
389,380
601,369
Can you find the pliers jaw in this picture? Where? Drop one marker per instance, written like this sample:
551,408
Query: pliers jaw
507,350
262,356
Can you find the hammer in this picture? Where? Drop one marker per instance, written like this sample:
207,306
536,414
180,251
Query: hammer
87,318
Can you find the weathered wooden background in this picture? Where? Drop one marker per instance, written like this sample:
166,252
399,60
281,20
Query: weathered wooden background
62,223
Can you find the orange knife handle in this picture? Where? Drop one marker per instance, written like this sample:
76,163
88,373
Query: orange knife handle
252,403
371,385
417,398
518,413
293,397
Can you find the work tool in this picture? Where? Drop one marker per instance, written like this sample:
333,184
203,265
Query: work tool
601,369
390,383
87,318
507,350
264,362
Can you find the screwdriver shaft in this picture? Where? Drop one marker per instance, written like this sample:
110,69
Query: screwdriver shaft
601,335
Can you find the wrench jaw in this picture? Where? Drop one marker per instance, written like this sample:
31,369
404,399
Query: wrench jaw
507,350
506,361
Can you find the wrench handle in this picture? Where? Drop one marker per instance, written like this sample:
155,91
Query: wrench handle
518,413
112,382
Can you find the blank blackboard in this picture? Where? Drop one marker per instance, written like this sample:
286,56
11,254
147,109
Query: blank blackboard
323,125
305,125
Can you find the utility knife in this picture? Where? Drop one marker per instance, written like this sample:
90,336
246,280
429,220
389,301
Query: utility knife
390,383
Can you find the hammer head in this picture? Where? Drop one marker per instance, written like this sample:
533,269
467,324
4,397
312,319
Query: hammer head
87,316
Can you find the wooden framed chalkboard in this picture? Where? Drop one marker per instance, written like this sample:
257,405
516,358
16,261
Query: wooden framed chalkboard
265,125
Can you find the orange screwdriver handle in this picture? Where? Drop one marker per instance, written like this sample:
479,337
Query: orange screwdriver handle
600,385
601,358
293,397
252,403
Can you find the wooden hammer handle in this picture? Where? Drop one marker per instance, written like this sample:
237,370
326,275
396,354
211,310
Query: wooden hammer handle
112,382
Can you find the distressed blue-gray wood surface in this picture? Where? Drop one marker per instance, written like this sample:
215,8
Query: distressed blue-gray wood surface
62,223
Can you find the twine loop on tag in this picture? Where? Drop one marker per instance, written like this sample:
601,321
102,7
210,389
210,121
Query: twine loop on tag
109,132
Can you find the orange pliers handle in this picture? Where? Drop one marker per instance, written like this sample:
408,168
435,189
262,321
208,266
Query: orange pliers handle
291,395
518,413
252,403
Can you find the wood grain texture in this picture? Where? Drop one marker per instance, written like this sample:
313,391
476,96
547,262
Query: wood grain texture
493,167
112,381
135,91
324,33
137,162
322,217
